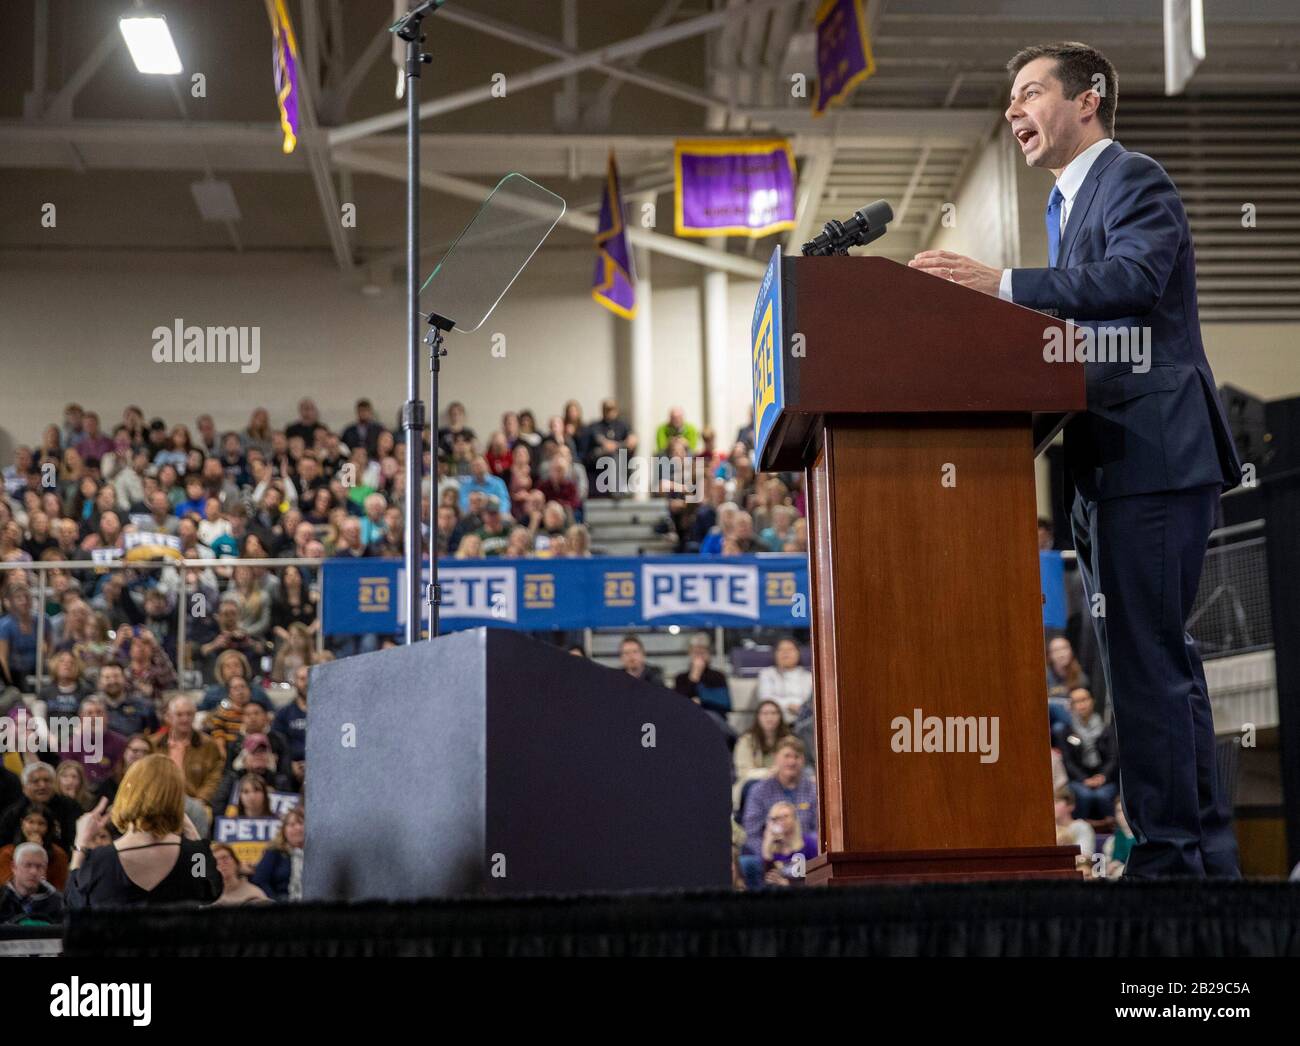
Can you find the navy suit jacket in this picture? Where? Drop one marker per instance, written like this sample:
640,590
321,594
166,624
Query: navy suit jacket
1126,260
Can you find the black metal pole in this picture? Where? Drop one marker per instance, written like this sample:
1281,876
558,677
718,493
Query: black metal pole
433,596
413,421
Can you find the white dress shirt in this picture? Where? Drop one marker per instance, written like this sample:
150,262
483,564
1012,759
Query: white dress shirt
1070,182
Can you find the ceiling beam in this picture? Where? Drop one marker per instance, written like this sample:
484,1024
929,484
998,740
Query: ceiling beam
334,101
930,124
545,45
34,100
174,145
60,107
587,223
597,113
602,56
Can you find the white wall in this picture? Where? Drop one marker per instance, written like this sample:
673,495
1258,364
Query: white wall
985,223
78,327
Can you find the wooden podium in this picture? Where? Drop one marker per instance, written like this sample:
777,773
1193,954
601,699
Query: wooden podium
915,408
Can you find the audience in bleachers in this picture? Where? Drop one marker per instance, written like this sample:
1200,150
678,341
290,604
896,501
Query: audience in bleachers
229,709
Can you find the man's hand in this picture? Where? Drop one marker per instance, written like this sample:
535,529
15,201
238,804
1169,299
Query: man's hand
1095,781
957,268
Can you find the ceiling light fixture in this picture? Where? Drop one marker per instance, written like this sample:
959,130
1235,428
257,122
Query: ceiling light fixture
150,43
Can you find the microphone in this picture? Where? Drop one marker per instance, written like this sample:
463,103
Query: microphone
870,223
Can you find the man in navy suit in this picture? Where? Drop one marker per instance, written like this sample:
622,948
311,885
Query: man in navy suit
1152,453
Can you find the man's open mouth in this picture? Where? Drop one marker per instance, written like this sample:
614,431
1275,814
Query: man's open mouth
1026,136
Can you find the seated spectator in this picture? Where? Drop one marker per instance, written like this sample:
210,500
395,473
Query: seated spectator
755,753
558,486
1064,673
789,783
257,720
246,790
787,682
470,547
783,840
229,664
230,637
498,455
781,531
153,861
279,872
127,713
677,427
520,544
373,525
743,540
236,889
223,724
1069,830
255,764
703,684
494,535
18,636
1091,762
552,528
631,652
604,439
721,530
199,758
455,427
36,825
298,648
91,743
290,722
1120,843
63,694
149,671
28,898
254,602
364,432
480,479
138,746
70,779
577,540
40,787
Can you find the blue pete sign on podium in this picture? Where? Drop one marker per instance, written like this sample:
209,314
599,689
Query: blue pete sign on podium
768,343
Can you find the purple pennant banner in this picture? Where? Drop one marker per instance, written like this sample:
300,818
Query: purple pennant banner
844,56
742,187
284,60
613,284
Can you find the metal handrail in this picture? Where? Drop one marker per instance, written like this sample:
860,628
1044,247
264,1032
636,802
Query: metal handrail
182,661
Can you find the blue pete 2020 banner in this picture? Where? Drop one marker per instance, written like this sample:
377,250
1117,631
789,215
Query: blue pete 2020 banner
538,595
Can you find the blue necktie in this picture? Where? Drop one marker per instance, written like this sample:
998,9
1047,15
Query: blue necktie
1054,225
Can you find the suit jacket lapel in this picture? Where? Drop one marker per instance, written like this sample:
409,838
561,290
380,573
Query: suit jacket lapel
1083,201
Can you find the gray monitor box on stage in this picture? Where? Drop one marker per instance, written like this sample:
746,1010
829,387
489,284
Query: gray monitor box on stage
486,763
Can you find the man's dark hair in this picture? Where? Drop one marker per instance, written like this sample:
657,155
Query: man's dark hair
1077,66
629,638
